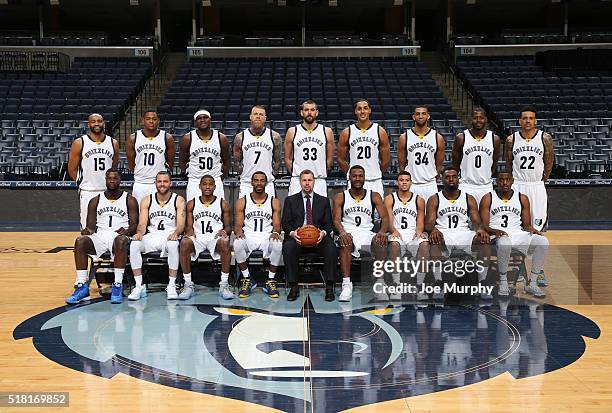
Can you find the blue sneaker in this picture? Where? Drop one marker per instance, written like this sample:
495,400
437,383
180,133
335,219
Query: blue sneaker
117,294
271,289
247,288
81,293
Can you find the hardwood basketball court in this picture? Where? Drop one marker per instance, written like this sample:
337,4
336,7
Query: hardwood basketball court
34,280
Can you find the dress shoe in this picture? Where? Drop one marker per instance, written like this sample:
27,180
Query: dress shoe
329,293
294,293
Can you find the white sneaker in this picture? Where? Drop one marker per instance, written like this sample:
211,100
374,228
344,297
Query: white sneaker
535,291
171,292
422,297
520,279
225,292
188,291
347,292
504,290
140,291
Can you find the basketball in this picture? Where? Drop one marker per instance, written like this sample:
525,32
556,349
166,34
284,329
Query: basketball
309,235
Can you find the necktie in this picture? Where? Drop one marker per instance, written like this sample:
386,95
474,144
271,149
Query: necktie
308,211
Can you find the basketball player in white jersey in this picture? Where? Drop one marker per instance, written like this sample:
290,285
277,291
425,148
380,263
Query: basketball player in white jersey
148,150
90,157
353,216
204,151
449,215
406,212
112,217
420,151
475,153
365,143
505,213
208,229
309,146
257,226
531,153
257,148
161,223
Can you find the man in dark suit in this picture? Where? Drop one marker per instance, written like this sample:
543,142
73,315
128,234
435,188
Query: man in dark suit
308,208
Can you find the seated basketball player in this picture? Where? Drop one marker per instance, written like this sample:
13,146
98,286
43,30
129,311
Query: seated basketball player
308,208
257,227
406,211
112,217
449,215
207,229
505,213
162,221
352,215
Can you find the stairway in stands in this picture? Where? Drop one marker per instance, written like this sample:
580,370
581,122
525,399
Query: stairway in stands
446,83
150,96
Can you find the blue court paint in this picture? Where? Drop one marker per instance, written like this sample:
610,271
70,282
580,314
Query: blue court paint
325,356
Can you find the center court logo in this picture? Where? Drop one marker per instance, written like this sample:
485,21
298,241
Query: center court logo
309,354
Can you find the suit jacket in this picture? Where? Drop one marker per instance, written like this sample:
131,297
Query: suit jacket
294,213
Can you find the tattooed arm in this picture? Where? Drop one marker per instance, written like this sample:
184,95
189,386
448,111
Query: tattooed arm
549,155
276,152
238,153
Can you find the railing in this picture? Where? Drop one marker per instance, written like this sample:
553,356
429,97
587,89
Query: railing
32,61
152,86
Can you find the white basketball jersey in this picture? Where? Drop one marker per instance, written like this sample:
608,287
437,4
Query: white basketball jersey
204,156
528,163
477,159
405,213
112,214
310,151
453,214
96,158
207,219
150,156
357,213
257,154
162,219
420,154
363,150
258,217
505,215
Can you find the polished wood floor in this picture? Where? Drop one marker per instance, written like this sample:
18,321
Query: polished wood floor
33,281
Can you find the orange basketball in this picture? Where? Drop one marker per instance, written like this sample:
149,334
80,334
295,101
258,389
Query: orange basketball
309,235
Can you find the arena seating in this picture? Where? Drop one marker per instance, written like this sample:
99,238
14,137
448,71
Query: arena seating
230,87
42,113
575,107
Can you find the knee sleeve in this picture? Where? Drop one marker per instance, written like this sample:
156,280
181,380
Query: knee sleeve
136,254
276,250
504,248
539,244
240,250
173,254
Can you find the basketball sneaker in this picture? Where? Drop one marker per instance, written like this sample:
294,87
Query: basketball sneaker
347,292
247,288
270,288
542,281
225,292
171,291
422,297
187,292
140,291
116,294
534,290
81,293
